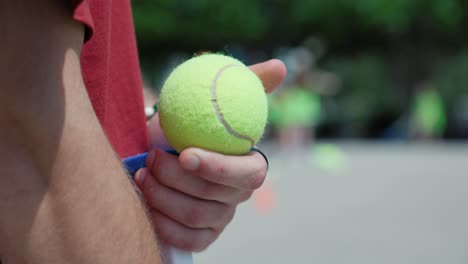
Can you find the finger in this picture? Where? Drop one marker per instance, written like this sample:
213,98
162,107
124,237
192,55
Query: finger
184,209
159,161
167,170
203,189
272,73
246,172
180,236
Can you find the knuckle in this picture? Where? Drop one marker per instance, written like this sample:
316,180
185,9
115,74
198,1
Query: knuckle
156,165
209,191
194,217
221,169
151,191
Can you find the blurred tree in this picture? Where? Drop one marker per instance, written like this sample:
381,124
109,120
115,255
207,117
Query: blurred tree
196,24
204,24
366,89
405,37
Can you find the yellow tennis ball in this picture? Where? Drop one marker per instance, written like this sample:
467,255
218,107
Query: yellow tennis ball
213,102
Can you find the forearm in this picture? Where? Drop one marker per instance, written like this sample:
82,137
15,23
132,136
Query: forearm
64,197
72,214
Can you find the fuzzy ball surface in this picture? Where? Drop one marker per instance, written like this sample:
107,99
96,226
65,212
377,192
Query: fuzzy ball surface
213,102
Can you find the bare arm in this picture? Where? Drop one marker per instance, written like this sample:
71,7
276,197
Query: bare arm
64,197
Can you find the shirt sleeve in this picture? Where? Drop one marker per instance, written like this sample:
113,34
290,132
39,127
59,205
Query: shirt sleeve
82,13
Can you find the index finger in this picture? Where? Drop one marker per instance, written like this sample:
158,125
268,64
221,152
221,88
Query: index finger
272,73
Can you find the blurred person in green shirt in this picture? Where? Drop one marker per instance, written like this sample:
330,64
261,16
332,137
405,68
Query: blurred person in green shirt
428,117
294,113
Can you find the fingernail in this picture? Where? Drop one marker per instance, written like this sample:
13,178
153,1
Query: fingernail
192,162
140,176
150,159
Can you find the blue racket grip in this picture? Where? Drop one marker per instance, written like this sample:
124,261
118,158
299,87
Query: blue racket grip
134,163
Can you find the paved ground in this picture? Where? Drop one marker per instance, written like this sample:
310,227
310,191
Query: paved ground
354,203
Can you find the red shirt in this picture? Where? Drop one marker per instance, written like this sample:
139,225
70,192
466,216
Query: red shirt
111,72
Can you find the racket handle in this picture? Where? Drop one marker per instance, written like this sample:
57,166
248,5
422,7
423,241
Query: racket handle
172,255
136,162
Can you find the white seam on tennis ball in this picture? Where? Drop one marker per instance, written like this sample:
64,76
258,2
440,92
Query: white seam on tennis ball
214,101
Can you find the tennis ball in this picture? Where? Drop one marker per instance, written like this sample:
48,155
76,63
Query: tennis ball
213,102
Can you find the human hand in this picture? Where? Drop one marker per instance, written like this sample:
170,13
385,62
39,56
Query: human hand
193,197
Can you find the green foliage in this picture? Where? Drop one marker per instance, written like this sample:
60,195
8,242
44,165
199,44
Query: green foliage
451,76
393,16
448,12
207,23
366,41
198,22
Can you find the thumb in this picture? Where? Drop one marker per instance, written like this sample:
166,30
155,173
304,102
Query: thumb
272,73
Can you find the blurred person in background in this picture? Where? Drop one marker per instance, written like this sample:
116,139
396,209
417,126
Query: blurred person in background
428,119
72,108
295,109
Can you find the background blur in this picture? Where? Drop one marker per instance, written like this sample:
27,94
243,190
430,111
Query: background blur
366,136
